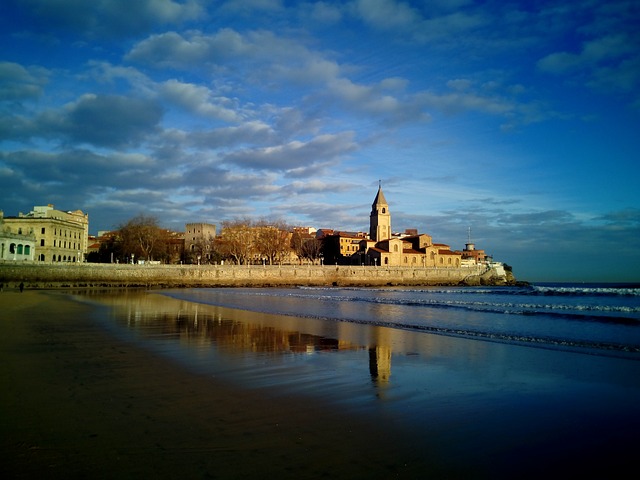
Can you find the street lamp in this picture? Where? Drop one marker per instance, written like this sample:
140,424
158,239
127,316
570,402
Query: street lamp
133,259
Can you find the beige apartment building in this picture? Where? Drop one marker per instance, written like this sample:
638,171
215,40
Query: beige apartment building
59,236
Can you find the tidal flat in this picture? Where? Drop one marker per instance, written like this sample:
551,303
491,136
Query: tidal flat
132,383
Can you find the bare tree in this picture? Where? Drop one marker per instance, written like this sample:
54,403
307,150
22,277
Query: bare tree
143,238
237,241
273,241
312,249
306,246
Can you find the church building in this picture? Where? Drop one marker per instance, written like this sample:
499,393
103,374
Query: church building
385,249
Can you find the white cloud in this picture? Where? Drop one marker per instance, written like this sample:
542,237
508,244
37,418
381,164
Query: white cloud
20,83
108,18
610,62
295,154
102,120
198,99
387,14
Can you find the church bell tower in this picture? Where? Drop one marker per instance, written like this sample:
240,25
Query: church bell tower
380,218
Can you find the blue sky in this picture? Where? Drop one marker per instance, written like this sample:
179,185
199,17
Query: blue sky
516,119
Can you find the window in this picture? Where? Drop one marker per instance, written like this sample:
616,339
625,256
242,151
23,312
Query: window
12,248
27,250
20,231
42,242
42,230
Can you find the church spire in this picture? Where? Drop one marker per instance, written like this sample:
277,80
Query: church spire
380,200
380,218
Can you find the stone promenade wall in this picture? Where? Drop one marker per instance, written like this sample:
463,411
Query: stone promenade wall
118,275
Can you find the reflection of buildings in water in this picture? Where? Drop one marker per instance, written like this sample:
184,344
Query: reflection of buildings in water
234,330
380,356
380,363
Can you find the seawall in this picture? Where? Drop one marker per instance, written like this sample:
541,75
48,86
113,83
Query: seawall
167,276
119,275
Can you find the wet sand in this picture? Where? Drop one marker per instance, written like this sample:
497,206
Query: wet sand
76,402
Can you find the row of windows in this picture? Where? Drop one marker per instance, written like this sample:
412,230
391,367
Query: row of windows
60,232
19,249
57,258
62,244
64,258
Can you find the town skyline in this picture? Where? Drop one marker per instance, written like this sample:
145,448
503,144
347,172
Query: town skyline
516,120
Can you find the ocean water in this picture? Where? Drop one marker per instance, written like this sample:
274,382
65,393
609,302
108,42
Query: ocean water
490,378
595,318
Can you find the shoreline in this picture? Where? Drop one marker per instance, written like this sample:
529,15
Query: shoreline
79,402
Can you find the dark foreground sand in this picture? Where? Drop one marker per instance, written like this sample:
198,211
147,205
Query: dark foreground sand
77,403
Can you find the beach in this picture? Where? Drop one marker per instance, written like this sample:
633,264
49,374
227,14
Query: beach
78,403
82,399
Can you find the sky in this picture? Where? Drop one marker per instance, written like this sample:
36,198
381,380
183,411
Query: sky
515,120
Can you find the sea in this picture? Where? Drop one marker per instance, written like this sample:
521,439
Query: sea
543,375
600,319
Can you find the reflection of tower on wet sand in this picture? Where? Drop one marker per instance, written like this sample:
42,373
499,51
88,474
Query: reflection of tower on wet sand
380,357
380,363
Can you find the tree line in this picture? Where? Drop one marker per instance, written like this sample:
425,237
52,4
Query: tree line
241,241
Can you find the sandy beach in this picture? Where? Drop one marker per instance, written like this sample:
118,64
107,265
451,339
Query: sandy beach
80,401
